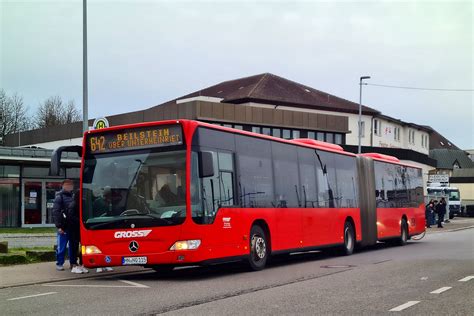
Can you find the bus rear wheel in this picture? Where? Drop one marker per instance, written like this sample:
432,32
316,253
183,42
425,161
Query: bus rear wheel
349,239
403,233
258,249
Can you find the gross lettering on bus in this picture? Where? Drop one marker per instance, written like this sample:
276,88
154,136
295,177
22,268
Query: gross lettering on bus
135,138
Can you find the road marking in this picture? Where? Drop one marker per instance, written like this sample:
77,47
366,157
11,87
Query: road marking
134,284
441,290
470,277
404,306
36,295
130,285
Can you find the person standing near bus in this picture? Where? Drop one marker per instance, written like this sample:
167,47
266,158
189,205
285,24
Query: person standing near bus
73,230
441,210
429,212
62,202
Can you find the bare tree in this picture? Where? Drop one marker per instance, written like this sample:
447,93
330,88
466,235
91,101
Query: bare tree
72,114
54,112
13,114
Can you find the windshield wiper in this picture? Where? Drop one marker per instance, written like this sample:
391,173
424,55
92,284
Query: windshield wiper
150,215
129,217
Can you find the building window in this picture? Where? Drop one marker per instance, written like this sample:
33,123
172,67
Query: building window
411,137
296,134
362,129
227,125
266,131
377,127
338,139
238,127
320,136
256,129
396,134
330,138
311,135
276,132
286,134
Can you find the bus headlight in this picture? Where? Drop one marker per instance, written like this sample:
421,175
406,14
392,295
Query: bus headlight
186,245
90,250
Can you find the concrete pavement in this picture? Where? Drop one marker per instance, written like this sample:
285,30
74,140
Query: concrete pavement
38,273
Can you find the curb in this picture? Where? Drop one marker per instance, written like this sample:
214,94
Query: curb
89,276
451,230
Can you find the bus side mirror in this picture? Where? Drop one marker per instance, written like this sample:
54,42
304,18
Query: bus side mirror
55,166
206,164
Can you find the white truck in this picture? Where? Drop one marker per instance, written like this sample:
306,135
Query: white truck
452,196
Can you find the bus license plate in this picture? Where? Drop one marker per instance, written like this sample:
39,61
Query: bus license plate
133,260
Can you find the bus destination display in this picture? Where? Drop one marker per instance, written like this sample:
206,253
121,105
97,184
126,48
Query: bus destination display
137,138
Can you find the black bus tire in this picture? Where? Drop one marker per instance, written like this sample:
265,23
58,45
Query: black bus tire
349,239
259,250
402,240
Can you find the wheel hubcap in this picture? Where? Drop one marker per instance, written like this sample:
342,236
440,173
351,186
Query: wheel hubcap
259,248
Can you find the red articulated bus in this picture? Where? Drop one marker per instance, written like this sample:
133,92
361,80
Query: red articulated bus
181,192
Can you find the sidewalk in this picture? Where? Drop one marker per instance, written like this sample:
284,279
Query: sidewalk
454,224
45,272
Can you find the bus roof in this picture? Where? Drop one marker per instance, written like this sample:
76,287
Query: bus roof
303,142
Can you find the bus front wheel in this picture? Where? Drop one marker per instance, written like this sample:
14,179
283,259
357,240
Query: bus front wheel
258,248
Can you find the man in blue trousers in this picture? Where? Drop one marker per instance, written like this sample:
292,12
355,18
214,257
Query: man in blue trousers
62,203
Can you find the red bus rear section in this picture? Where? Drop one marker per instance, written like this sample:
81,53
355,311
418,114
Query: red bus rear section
174,193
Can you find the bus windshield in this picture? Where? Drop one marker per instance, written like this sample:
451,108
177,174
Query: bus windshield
134,189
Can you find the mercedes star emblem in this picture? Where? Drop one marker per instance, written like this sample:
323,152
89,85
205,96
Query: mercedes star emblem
133,246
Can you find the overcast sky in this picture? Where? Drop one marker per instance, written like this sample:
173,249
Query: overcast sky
142,53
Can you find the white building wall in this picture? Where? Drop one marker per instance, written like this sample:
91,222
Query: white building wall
418,145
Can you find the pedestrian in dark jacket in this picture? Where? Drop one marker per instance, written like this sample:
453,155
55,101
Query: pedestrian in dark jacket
62,203
441,211
73,229
429,212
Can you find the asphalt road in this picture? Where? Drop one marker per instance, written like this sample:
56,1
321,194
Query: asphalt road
370,282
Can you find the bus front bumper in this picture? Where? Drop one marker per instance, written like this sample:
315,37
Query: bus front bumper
187,257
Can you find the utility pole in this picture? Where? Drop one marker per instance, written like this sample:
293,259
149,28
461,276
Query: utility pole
85,116
360,111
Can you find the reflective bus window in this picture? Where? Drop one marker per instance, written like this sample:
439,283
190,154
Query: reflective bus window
346,174
326,178
309,192
285,170
255,182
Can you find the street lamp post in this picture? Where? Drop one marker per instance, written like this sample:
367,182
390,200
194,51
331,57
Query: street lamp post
360,111
85,118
